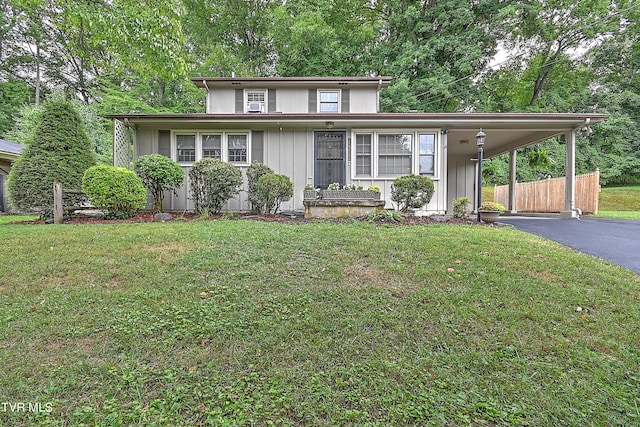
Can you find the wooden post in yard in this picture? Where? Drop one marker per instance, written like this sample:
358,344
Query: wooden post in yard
57,203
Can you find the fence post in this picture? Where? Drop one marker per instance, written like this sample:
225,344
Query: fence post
57,203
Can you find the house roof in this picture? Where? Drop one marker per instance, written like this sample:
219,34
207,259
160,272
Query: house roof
10,150
505,131
272,82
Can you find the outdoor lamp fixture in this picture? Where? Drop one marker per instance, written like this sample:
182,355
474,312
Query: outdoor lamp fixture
480,137
329,125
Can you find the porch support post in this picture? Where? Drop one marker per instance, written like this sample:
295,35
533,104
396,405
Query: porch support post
512,182
570,177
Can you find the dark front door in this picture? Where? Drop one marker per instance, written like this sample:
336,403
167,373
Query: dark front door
330,158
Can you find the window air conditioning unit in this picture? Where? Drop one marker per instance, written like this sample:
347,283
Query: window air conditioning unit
255,107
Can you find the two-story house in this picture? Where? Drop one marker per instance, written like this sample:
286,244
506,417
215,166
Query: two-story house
320,130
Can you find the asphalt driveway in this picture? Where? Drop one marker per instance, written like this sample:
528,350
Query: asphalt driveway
614,240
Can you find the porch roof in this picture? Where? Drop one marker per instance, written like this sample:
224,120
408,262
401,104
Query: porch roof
505,131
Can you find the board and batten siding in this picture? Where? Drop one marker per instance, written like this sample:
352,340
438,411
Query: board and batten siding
290,152
461,180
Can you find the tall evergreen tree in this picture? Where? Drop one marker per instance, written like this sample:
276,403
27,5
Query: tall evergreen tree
60,151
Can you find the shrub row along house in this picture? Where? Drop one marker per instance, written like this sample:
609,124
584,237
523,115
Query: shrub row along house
323,130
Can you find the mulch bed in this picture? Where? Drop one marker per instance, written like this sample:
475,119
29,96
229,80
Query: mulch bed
144,217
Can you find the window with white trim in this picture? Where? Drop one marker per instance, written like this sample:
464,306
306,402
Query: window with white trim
255,101
237,146
232,147
329,101
186,148
363,155
427,154
394,154
212,146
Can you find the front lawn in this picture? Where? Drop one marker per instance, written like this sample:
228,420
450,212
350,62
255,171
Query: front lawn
236,322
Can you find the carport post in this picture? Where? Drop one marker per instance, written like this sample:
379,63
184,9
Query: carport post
512,182
570,178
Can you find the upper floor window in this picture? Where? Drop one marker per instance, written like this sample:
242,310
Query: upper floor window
329,101
255,101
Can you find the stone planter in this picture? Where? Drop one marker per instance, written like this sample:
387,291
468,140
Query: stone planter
310,194
340,208
349,195
489,216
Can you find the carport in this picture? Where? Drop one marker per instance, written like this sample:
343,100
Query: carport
505,134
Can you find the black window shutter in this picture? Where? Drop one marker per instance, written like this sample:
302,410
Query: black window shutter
239,101
272,101
164,142
257,146
345,101
313,100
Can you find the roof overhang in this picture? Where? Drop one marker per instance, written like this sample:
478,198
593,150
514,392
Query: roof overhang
505,131
288,82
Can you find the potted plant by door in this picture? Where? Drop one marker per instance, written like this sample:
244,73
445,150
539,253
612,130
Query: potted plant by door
490,212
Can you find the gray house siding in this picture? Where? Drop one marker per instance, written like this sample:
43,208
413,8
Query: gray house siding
288,151
461,180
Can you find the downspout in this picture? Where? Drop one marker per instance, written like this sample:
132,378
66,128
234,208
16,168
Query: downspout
204,83
378,95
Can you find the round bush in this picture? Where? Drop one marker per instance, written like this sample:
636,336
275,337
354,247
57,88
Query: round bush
411,191
213,183
159,174
117,190
254,172
273,189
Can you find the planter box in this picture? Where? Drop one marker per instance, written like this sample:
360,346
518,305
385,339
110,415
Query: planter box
349,195
310,194
326,208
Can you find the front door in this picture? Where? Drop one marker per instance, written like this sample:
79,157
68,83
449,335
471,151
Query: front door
330,158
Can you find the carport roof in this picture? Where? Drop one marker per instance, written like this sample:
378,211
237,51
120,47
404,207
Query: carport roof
505,131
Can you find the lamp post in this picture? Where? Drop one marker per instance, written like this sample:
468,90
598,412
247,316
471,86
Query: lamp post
480,137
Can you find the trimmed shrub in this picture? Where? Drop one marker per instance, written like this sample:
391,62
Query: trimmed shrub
159,174
58,151
411,191
213,183
119,191
273,189
254,172
461,207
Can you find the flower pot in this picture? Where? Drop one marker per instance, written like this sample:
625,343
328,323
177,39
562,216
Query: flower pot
489,216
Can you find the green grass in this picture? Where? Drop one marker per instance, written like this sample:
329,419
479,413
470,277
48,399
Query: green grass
620,202
4,219
249,323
